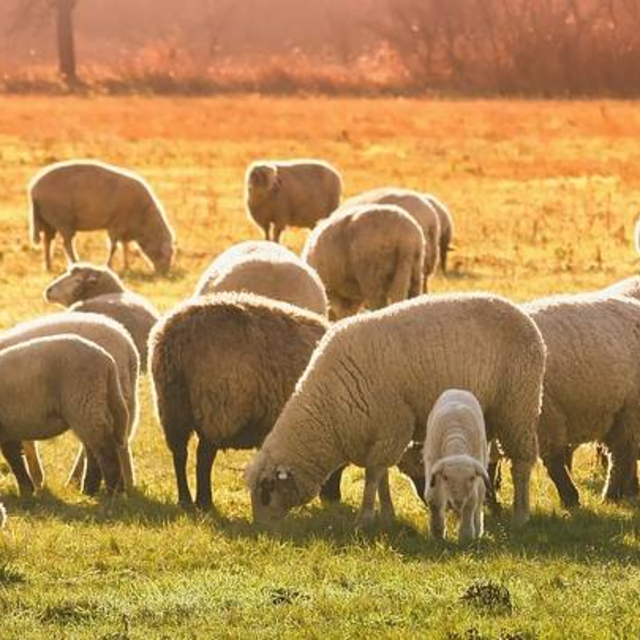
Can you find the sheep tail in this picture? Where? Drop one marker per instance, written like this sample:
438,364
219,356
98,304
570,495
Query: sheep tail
400,287
173,400
117,407
36,223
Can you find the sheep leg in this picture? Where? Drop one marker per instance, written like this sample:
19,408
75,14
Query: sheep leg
34,463
437,522
387,512
109,462
205,455
126,254
277,232
372,477
180,468
78,469
467,529
93,476
12,451
113,247
558,473
69,248
521,476
126,464
267,231
48,248
622,471
330,490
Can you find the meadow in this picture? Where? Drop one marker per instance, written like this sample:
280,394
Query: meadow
544,196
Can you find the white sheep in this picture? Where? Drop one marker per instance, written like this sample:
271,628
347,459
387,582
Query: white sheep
54,384
294,193
418,207
455,463
109,335
591,386
90,289
369,256
374,378
224,366
267,269
86,195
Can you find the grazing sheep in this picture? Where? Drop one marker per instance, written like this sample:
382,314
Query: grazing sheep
85,195
628,288
3,516
296,193
418,207
90,289
223,367
591,386
455,463
372,382
446,229
267,269
54,384
107,334
370,255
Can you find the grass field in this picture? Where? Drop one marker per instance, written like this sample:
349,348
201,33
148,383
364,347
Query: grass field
544,196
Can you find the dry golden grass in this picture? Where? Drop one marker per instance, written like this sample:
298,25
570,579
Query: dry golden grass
544,196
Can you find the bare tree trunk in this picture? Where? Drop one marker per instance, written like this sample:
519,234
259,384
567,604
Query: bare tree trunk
66,44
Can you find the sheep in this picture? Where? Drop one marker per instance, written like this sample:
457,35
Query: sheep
419,208
456,455
91,289
109,335
372,382
59,383
446,229
369,255
267,269
628,288
592,386
224,366
295,193
3,516
86,195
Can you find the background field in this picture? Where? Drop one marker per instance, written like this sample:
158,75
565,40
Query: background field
544,196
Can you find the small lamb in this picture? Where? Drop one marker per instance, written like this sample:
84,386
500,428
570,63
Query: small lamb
455,463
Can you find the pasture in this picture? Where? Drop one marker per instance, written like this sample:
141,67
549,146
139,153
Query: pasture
544,197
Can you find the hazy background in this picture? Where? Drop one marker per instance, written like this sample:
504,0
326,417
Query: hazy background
539,47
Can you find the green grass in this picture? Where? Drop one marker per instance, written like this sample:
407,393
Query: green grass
544,196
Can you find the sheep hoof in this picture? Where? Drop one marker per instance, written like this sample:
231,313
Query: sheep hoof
365,521
204,505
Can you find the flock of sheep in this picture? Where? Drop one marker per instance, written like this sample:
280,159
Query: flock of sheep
270,352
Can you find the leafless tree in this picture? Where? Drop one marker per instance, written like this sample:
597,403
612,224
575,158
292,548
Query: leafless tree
36,13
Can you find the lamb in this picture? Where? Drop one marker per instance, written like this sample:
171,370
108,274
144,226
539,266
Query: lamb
446,229
108,335
419,208
295,193
267,269
592,386
86,195
371,255
372,382
224,366
54,384
456,455
91,289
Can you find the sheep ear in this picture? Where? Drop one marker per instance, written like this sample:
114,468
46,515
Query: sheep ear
481,472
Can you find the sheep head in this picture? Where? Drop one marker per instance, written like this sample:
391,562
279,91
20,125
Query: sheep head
273,490
82,282
262,181
453,481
